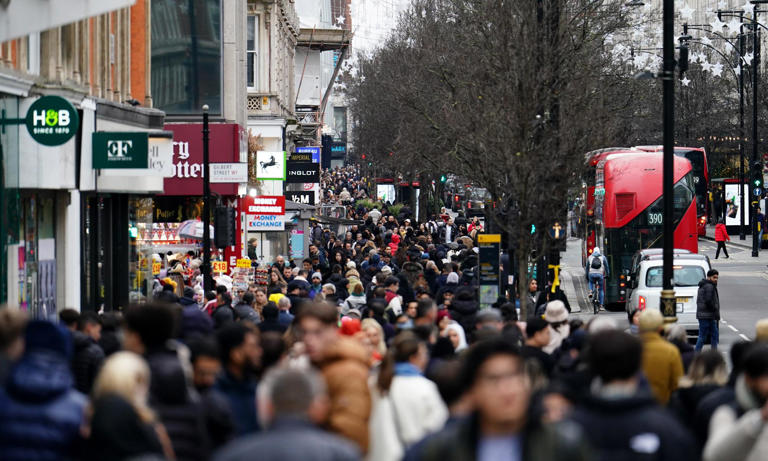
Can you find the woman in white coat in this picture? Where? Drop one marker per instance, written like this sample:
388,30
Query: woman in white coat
407,406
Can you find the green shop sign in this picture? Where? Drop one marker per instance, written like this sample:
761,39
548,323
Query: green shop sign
52,120
120,149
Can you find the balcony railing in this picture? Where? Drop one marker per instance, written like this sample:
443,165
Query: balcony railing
308,118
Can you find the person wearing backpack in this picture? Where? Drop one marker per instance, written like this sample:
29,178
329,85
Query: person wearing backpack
597,270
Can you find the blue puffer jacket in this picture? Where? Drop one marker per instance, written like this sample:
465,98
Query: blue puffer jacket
40,411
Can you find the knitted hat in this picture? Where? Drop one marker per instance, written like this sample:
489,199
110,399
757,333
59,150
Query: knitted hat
453,277
650,320
761,330
556,312
317,275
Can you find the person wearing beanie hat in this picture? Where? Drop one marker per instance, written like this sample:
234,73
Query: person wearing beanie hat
761,330
557,316
662,363
40,410
317,285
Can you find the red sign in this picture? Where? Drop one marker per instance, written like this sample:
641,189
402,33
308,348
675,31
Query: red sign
224,147
264,204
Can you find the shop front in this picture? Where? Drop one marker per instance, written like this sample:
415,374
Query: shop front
35,211
125,157
182,200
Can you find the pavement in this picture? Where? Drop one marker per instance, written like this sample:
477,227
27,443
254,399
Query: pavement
742,288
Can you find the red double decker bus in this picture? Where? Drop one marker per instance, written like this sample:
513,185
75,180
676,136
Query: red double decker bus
587,229
698,158
629,213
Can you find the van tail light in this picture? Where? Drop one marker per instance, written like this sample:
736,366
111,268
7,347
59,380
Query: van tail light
641,303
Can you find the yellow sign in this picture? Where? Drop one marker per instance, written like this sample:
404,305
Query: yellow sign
156,268
219,266
244,263
489,238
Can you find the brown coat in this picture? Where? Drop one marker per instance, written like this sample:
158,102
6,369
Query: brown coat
345,369
662,365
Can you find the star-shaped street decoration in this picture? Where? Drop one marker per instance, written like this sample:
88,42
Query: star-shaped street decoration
707,67
748,59
341,19
746,6
705,40
733,26
737,70
722,4
717,25
685,81
686,12
717,70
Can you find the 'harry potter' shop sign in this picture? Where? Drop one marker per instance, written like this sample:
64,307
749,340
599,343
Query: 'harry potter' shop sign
186,175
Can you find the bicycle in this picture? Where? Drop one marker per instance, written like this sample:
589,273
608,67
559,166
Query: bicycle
596,298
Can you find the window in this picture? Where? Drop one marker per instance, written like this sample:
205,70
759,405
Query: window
682,276
33,53
186,55
252,52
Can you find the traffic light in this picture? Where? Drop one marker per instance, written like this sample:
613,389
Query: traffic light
363,156
757,179
443,178
224,227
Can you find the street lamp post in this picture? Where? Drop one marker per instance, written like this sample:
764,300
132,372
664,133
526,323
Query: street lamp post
742,134
668,82
206,206
755,140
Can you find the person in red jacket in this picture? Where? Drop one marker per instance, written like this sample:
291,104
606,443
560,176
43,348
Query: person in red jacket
721,235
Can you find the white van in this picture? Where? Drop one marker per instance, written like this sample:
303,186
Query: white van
688,271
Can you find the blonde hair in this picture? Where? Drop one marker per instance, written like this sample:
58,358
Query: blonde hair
381,348
126,375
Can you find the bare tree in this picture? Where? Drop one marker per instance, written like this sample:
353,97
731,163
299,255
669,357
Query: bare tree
509,94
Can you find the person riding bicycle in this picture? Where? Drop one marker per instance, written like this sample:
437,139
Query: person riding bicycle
597,270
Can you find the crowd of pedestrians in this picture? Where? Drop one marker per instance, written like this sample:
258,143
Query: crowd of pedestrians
374,347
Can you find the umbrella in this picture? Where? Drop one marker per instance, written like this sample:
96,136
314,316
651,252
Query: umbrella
193,229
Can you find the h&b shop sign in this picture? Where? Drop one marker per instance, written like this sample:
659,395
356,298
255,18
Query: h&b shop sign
52,121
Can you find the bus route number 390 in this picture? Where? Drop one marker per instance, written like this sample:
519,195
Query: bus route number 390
655,218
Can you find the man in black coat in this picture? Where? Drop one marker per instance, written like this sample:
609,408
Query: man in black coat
708,310
494,378
223,313
89,356
620,418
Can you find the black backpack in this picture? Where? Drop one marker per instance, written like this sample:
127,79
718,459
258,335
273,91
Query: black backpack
597,262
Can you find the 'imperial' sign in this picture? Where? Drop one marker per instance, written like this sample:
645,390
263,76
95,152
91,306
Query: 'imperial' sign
52,121
265,204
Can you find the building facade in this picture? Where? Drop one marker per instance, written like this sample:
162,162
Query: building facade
65,235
